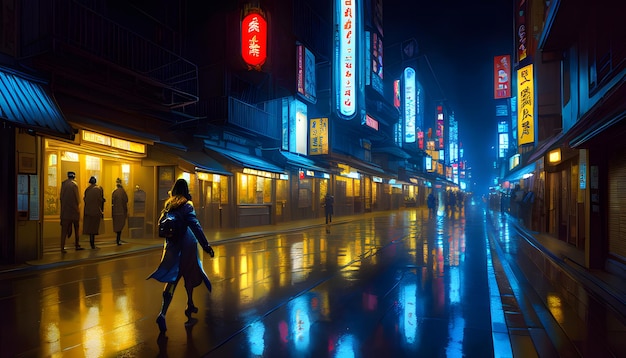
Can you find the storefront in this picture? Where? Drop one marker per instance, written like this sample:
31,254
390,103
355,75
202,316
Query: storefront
210,184
307,186
106,158
256,182
28,115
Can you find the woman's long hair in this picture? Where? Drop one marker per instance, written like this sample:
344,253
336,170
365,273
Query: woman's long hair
181,188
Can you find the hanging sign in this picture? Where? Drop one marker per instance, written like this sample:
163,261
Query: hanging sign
254,40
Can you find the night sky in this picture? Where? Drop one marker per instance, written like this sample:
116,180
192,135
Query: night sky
460,39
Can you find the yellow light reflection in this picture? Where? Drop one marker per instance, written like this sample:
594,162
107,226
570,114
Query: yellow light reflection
50,332
555,307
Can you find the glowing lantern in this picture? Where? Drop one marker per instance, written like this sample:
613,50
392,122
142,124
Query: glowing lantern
254,39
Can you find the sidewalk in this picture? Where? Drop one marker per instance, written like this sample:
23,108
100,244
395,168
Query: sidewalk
563,264
107,248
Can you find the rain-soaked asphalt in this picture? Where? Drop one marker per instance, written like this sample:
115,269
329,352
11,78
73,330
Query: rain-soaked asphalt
396,285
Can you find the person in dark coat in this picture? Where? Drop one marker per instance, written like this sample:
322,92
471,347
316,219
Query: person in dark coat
180,254
431,202
70,212
329,203
119,209
94,210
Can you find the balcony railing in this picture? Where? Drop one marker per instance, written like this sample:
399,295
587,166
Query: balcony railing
46,22
243,115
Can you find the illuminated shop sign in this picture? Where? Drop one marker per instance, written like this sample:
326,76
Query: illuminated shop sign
108,141
261,173
346,52
318,136
371,122
502,76
254,39
526,105
409,105
396,93
306,84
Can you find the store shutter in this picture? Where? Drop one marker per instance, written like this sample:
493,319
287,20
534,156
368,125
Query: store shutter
617,201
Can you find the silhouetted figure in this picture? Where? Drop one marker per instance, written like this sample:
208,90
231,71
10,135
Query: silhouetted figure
431,202
70,212
329,203
119,210
94,210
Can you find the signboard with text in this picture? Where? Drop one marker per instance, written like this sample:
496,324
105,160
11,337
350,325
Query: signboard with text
525,106
254,39
318,140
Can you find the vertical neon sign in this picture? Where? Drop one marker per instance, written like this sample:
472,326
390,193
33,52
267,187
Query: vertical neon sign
346,52
409,105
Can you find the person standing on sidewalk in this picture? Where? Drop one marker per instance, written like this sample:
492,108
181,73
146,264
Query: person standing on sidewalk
329,203
180,254
119,209
94,210
70,214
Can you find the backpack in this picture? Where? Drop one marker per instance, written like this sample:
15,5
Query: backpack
171,225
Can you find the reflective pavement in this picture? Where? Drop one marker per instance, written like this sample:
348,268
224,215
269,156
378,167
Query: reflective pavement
392,283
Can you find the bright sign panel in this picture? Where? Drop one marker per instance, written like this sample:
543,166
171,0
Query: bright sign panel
254,39
409,105
346,17
526,105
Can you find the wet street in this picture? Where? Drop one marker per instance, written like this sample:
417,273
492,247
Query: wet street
393,284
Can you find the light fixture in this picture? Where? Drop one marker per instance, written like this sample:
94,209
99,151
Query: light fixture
554,156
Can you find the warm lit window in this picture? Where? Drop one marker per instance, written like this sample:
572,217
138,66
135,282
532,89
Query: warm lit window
252,189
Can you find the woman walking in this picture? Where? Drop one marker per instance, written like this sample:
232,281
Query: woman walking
180,254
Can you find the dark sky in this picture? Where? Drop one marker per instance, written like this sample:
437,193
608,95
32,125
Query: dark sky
460,39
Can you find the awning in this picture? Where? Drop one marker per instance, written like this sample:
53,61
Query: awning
203,162
26,103
298,161
361,166
245,160
545,147
115,130
190,161
520,173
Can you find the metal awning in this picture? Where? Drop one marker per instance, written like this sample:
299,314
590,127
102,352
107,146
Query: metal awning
520,173
25,102
296,160
245,160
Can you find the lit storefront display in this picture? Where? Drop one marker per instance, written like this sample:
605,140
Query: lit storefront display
99,155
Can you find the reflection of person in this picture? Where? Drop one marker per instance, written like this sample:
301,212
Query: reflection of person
119,209
329,203
70,214
180,255
94,210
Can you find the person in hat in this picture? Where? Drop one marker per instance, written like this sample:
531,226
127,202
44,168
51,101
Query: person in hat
119,209
94,210
70,213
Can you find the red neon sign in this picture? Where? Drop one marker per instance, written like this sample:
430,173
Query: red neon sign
254,39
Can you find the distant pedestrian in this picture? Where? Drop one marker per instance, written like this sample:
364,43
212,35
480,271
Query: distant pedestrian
70,212
119,210
431,203
329,207
451,201
94,210
180,254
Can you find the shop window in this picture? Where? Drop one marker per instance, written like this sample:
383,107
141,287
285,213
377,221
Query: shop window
253,189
